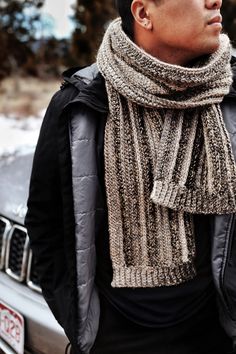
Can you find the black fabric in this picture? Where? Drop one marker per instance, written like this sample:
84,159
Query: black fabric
232,93
165,306
50,225
50,214
43,219
200,334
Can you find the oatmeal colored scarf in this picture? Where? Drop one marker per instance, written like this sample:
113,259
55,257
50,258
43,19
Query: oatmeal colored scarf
167,156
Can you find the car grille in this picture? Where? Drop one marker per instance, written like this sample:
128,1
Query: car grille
32,275
4,229
17,253
16,258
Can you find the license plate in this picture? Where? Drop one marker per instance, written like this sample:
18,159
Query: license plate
12,328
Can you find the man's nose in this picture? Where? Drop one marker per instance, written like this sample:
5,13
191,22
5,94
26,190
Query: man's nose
214,4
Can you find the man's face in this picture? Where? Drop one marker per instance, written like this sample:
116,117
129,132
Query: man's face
186,27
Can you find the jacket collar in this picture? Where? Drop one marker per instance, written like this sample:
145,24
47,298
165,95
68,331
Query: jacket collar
91,87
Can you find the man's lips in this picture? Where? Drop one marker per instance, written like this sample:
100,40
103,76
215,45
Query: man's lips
216,20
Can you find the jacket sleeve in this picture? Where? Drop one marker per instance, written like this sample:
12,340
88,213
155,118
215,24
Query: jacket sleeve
44,220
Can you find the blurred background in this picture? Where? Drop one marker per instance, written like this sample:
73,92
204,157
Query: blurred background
41,38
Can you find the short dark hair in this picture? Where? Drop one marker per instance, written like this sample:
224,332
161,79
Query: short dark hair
124,10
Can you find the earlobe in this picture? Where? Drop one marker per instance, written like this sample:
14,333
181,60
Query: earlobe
147,24
140,14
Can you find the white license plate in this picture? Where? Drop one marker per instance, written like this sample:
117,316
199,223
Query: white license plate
12,328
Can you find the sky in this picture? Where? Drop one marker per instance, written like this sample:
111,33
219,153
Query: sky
59,12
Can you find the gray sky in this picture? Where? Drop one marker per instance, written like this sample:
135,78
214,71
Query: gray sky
60,12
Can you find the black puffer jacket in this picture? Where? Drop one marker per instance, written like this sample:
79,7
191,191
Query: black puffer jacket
62,225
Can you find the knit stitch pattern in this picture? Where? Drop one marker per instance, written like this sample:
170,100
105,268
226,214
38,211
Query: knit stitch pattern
167,156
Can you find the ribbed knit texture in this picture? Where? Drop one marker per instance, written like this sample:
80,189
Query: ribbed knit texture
165,138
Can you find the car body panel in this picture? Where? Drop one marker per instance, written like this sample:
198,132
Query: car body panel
43,335
14,186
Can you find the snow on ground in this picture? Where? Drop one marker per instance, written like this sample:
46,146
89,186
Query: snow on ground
19,136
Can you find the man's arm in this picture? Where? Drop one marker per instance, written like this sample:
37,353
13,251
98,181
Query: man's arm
44,217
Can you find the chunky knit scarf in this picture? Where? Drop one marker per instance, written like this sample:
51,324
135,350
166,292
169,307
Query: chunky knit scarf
164,138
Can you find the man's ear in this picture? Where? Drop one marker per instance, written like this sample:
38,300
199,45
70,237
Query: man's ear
140,13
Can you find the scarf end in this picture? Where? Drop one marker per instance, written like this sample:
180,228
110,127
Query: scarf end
199,201
150,277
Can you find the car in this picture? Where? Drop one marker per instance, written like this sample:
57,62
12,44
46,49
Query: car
26,323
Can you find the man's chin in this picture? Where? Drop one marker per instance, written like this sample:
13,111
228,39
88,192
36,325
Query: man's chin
214,46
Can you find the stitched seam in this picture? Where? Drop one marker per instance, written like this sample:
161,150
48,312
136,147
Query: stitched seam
83,139
76,177
85,249
89,212
223,263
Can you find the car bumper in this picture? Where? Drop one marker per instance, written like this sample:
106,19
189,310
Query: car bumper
43,335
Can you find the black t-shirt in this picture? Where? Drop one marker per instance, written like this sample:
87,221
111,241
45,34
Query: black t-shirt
160,306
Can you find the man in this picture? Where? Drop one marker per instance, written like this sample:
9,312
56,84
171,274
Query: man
133,185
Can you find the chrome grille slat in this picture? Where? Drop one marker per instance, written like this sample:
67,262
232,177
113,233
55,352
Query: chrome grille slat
5,227
32,277
17,253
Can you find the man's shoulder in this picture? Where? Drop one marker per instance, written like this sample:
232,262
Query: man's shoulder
232,93
233,66
233,62
84,85
78,78
85,75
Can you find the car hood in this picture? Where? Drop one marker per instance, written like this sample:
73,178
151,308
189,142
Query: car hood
14,186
